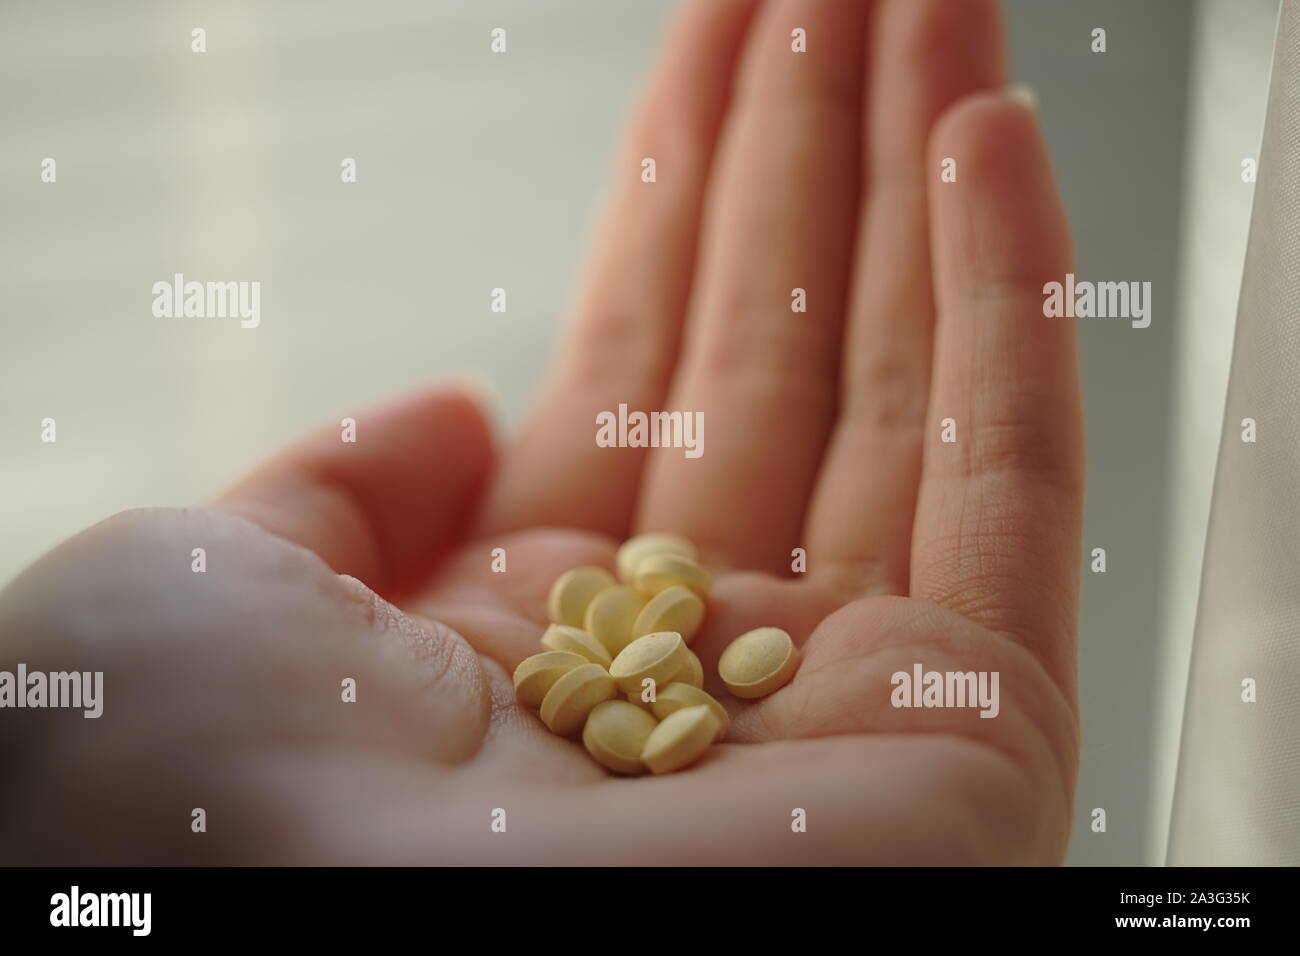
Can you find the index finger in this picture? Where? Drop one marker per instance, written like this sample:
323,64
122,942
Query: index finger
621,348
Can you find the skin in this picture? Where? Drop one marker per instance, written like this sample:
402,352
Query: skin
775,171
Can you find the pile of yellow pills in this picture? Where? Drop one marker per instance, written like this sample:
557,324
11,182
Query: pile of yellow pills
658,572
616,733
571,698
692,671
561,637
538,674
674,609
572,593
759,662
680,739
633,550
616,669
657,657
678,695
612,615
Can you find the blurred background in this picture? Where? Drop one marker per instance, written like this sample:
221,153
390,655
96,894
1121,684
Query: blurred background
476,171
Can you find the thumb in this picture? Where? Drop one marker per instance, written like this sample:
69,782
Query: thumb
387,506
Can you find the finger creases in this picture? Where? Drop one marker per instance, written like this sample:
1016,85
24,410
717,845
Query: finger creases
997,530
925,55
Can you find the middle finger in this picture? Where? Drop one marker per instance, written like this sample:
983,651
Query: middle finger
781,217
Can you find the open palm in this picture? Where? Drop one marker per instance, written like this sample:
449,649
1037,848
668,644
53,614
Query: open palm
776,171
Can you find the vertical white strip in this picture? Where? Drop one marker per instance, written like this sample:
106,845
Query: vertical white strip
1232,48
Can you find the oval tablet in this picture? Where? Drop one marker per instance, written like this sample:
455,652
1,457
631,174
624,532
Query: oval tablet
643,545
680,739
573,591
677,696
657,656
535,675
635,698
615,735
692,671
656,572
758,662
610,616
571,698
561,637
675,609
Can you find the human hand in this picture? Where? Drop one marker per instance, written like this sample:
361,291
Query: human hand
924,304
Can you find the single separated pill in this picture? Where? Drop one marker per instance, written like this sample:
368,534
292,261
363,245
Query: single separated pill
674,609
561,637
656,656
677,696
657,572
758,662
680,739
573,591
616,733
611,615
537,674
571,698
643,545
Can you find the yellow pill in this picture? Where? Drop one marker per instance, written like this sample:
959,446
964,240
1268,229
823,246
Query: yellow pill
635,698
571,698
675,609
656,656
657,572
677,696
692,671
644,545
758,662
692,674
680,739
615,734
573,591
537,674
611,615
561,637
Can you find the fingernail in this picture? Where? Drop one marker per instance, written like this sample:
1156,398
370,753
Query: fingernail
1024,94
